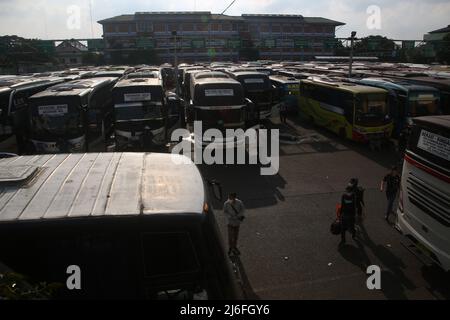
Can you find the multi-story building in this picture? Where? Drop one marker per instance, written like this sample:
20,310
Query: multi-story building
203,36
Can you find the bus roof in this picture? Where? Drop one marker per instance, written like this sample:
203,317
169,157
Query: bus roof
49,187
136,82
74,88
395,85
439,121
345,86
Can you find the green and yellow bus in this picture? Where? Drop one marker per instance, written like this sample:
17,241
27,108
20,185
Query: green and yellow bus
356,112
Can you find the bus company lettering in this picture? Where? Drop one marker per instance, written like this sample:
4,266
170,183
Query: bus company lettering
209,147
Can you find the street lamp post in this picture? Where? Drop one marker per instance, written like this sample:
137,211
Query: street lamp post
174,34
352,41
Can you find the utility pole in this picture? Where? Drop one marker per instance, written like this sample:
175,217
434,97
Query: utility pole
352,41
175,37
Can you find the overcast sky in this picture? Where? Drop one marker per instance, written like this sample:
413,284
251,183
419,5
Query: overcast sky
56,19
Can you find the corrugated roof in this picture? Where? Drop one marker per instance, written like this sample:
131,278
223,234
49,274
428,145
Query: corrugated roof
102,184
322,21
443,30
133,17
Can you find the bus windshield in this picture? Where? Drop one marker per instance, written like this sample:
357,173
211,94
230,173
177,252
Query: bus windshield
371,110
50,118
423,105
138,112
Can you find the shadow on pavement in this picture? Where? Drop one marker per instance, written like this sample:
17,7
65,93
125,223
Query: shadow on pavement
245,283
394,281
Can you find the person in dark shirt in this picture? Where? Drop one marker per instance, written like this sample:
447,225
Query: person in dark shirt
348,213
390,183
359,196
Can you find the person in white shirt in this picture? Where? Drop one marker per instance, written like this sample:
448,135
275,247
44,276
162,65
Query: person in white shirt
234,210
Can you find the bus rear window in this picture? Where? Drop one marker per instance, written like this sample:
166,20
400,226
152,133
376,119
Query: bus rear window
431,144
168,254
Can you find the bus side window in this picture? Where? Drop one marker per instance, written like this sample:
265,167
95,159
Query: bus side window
347,105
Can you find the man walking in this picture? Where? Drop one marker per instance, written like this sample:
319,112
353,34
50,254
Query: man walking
234,210
358,191
390,183
348,213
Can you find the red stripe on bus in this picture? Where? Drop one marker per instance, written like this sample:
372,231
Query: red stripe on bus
427,169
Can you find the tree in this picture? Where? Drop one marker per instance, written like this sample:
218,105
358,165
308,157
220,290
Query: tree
378,46
248,51
93,58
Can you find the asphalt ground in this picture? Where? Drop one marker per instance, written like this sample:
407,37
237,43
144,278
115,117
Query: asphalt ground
287,250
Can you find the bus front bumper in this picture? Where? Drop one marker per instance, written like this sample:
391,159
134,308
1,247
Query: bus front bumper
438,256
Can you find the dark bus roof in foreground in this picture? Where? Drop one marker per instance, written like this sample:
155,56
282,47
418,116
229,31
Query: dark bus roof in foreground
49,187
75,87
437,121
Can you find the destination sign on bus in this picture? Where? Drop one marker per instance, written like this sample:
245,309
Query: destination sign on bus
53,110
434,144
254,80
219,93
133,97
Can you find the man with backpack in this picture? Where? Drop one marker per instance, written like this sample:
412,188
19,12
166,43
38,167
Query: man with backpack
348,213
234,210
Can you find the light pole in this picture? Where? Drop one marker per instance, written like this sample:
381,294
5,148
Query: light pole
174,34
352,40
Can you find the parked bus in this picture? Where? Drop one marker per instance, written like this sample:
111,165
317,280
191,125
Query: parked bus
72,116
442,84
355,112
288,91
14,103
220,104
257,88
138,226
424,205
142,117
407,100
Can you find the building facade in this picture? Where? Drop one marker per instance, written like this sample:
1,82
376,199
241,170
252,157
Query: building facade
435,40
203,36
70,52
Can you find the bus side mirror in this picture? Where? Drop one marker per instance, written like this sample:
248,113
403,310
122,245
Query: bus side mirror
216,188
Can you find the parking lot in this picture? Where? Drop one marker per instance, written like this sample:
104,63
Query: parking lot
287,249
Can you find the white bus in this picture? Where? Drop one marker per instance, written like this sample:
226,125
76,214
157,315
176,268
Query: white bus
424,208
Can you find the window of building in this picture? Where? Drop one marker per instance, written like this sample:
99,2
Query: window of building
254,28
276,28
264,28
188,27
243,27
226,27
287,28
202,27
123,28
215,27
159,27
109,28
235,26
133,27
173,27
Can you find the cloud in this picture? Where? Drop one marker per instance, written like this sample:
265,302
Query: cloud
401,19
